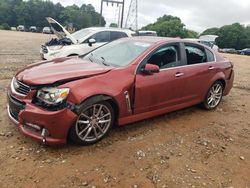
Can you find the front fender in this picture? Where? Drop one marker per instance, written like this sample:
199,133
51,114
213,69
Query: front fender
112,84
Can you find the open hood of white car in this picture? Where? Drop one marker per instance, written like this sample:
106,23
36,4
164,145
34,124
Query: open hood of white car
209,38
59,30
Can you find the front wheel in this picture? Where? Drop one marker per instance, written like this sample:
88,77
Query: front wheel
93,123
214,96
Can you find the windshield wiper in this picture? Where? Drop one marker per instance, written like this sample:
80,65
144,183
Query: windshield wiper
103,62
90,57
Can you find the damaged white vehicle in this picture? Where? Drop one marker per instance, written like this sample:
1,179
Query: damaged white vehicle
80,42
208,40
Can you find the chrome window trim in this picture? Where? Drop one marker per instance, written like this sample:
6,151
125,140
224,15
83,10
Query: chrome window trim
182,66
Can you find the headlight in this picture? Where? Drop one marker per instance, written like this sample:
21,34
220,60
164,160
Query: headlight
53,96
58,47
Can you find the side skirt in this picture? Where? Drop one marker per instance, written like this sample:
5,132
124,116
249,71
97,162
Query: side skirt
150,114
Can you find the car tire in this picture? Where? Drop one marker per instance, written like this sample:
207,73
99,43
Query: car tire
242,53
214,96
93,123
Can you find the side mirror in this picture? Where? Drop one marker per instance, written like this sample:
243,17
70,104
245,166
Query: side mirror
91,41
150,69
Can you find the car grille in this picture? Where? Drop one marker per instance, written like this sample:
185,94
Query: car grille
21,87
15,106
44,49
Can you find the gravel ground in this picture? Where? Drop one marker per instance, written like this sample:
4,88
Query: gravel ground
187,148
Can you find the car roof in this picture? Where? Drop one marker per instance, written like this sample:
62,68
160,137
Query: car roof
110,29
155,40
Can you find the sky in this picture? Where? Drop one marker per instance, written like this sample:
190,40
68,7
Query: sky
197,15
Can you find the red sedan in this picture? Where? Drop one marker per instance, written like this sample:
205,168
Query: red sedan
125,81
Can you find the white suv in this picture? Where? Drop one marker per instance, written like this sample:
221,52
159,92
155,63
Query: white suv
80,42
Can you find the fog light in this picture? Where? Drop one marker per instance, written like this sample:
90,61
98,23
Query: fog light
45,133
37,127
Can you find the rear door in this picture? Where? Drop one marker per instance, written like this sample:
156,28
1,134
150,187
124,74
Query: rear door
163,89
199,70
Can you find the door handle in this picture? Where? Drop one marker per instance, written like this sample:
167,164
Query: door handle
179,74
211,68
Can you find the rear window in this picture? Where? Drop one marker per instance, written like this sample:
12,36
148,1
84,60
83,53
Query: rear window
114,35
210,56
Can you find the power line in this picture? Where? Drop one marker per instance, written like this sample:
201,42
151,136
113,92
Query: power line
112,2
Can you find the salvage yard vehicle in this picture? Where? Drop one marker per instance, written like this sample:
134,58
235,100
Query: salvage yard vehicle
208,40
79,42
20,28
245,51
147,33
47,30
127,80
33,29
228,50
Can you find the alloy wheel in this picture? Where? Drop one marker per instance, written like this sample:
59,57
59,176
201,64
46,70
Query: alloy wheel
215,95
93,123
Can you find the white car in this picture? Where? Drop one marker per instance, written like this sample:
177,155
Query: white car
147,33
20,28
47,30
208,40
80,42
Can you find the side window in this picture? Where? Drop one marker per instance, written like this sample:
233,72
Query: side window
114,35
210,56
103,36
166,57
195,54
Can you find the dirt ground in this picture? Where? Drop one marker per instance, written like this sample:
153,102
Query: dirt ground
188,148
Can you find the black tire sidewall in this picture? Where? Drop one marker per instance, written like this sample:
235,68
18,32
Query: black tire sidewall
73,135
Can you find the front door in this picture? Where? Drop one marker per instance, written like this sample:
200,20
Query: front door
163,89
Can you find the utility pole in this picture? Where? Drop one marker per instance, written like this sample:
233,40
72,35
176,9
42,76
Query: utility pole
119,17
132,18
118,3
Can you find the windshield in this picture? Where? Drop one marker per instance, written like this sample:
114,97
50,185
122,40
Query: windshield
118,53
81,33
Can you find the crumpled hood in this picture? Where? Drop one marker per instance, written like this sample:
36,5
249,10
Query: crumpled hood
60,70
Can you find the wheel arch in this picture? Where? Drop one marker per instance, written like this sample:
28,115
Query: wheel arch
222,81
98,98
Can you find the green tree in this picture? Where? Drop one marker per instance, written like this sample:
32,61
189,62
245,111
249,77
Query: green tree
113,25
170,26
231,36
34,12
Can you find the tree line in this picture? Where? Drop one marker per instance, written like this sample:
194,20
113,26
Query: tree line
34,12
235,36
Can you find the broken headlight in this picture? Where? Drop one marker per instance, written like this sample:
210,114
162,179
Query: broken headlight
53,96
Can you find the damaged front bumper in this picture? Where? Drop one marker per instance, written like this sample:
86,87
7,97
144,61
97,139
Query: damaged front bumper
47,127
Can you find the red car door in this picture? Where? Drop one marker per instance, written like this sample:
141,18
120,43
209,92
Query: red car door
161,89
199,70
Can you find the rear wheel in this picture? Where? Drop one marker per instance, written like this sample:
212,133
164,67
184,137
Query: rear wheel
214,96
93,123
